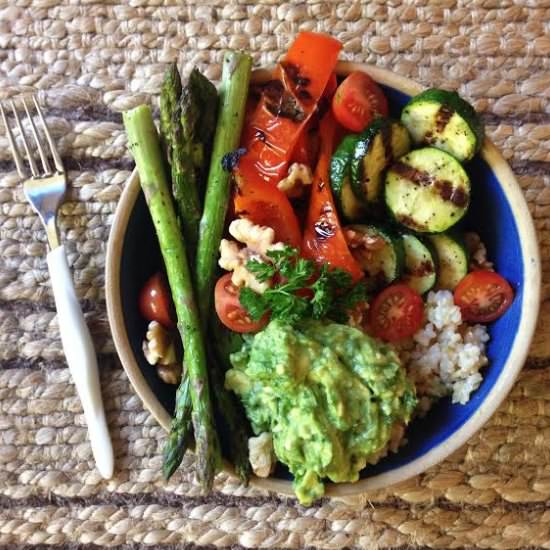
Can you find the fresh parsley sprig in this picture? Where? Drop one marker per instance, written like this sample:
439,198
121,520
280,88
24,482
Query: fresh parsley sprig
300,289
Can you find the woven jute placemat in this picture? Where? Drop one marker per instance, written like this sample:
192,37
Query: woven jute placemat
88,61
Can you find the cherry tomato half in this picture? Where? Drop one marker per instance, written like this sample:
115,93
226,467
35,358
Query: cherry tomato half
230,311
155,301
357,101
396,313
483,296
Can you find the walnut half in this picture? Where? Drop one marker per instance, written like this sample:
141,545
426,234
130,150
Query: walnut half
160,351
261,454
252,242
299,175
478,252
170,374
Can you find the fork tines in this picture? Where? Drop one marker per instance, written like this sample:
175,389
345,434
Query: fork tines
47,170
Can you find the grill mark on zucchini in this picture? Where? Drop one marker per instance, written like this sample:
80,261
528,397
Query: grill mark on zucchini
378,250
413,174
456,195
443,117
375,149
425,268
445,121
386,132
409,221
419,268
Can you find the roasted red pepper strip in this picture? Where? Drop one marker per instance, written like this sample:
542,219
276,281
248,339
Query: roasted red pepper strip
306,148
286,104
331,87
324,239
266,205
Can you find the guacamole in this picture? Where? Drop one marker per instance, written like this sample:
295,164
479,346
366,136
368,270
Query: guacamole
329,394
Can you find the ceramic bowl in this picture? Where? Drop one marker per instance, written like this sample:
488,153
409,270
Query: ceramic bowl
498,213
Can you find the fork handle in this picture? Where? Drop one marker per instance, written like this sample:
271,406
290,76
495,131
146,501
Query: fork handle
81,358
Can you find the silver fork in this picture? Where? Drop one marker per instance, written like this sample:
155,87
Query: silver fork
45,190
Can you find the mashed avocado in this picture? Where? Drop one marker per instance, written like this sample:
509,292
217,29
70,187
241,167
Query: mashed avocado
329,394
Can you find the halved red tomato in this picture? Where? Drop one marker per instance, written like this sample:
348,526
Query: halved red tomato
324,239
229,309
483,296
396,313
357,101
155,301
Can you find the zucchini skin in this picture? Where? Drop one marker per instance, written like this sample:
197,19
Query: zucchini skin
349,206
376,146
394,245
450,273
455,104
422,283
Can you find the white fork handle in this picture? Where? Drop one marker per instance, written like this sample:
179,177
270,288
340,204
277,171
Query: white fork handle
81,358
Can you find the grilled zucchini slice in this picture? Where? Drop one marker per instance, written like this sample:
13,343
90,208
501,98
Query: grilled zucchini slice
350,207
444,120
420,267
383,141
427,190
452,259
382,260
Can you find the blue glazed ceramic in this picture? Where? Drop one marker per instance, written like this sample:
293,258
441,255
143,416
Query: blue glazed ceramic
498,213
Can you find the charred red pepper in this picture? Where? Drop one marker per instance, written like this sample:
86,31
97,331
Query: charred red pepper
324,239
286,103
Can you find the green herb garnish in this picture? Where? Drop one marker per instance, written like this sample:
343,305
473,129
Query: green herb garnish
304,291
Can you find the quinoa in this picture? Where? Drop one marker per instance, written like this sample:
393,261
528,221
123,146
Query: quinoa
446,355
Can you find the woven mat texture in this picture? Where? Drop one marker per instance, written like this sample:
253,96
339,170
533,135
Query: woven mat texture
88,61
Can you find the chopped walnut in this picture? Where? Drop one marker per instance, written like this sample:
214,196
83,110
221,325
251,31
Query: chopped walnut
299,175
396,438
358,239
242,277
158,346
257,241
230,255
160,351
396,441
362,245
357,317
261,454
233,258
170,374
258,238
478,253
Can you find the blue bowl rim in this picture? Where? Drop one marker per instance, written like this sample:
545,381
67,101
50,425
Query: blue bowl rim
503,385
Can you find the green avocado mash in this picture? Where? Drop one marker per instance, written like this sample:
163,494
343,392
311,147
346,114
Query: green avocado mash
329,394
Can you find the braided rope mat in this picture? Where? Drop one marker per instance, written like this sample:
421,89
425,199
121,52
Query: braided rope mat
89,61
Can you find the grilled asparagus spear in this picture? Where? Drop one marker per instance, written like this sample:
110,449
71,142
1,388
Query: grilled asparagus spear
233,94
230,410
181,430
187,122
198,112
145,147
